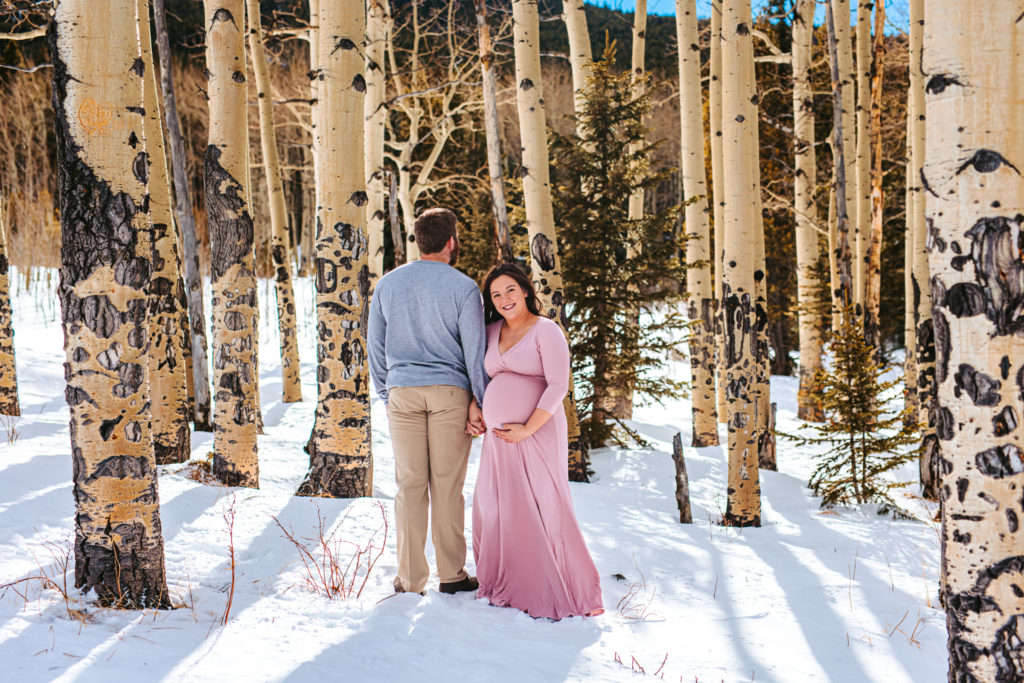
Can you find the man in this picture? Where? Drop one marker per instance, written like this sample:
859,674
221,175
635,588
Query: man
426,348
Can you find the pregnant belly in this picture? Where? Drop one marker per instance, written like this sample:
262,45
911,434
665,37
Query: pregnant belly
511,398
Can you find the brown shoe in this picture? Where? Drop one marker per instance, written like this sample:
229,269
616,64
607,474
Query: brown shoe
467,584
399,588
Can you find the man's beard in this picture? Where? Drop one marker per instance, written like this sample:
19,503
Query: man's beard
454,257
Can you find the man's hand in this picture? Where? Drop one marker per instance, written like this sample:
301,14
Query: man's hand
475,425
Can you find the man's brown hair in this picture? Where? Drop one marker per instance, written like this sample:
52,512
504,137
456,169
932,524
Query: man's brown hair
433,227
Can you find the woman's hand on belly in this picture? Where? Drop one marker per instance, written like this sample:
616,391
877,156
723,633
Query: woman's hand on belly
512,433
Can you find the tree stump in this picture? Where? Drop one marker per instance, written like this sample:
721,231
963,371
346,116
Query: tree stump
682,481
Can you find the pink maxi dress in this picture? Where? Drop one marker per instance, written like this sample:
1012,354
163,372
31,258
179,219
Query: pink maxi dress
529,551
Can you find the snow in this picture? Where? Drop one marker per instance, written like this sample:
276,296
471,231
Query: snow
844,595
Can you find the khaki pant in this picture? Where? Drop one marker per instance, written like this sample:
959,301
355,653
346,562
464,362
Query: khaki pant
428,433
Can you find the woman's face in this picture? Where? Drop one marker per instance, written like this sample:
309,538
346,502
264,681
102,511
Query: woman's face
508,298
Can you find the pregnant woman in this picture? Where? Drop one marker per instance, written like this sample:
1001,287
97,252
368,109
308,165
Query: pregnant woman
529,550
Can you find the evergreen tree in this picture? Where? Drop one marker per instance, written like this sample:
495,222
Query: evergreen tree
612,265
866,441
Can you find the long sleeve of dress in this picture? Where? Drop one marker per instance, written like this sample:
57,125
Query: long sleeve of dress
554,356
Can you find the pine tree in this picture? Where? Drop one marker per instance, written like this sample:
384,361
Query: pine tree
606,271
865,439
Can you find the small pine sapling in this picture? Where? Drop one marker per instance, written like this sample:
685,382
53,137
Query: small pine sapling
613,265
866,441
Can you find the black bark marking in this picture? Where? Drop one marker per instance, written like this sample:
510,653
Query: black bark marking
937,334
121,467
1005,422
962,485
326,276
961,609
140,167
543,252
223,15
343,44
107,427
138,67
131,376
1001,461
1004,367
999,270
966,300
939,82
133,431
358,198
234,321
986,161
959,262
742,30
934,237
231,229
141,111
945,423
238,77
982,389
526,84
359,83
133,140
1013,524
925,185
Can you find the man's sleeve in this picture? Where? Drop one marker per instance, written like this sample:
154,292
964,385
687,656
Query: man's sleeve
474,342
375,335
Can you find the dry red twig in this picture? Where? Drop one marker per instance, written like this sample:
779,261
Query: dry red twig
327,573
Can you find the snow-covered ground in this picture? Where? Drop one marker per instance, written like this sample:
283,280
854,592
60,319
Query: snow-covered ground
810,596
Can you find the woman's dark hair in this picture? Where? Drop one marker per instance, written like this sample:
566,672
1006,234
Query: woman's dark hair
513,271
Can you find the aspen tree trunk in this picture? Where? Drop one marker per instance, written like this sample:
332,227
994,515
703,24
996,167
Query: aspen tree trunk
580,54
374,114
168,388
739,136
498,208
843,57
546,269
199,360
700,296
291,391
833,249
909,330
762,376
861,213
636,200
310,229
106,262
842,296
393,220
340,459
924,330
807,246
232,260
717,197
873,283
8,368
975,135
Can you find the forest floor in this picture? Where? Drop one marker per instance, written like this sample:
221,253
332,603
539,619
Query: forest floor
844,595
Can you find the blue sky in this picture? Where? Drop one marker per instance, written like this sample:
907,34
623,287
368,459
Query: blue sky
896,10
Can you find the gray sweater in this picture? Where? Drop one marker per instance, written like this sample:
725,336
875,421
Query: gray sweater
427,327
